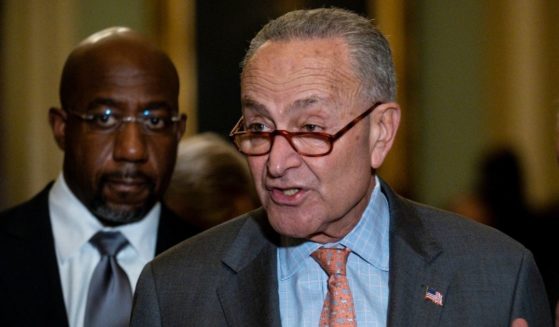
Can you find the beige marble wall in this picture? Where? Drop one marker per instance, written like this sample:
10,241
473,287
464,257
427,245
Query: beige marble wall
36,37
523,97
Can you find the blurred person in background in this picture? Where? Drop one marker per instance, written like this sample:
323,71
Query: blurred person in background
545,247
211,182
499,197
502,192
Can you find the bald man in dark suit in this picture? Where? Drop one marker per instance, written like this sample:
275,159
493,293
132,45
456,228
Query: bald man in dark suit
119,128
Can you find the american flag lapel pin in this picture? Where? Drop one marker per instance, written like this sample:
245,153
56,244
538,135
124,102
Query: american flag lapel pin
433,295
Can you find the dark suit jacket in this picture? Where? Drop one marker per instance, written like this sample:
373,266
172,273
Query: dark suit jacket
30,287
227,276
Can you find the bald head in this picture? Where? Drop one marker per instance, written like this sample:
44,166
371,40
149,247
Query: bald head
113,47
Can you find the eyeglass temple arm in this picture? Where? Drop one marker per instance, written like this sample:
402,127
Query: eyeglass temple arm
236,127
355,121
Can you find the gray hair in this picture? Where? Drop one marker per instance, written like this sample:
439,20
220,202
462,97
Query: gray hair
369,50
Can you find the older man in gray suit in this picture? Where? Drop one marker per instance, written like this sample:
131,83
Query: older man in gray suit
333,245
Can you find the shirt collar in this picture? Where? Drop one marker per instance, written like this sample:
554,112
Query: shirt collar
73,224
369,239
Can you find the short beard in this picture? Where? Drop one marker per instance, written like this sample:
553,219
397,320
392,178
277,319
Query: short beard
112,217
109,216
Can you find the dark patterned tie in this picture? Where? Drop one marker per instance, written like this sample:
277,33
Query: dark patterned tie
109,300
337,310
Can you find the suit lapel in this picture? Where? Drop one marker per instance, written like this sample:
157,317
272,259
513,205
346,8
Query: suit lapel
250,297
33,259
412,254
410,278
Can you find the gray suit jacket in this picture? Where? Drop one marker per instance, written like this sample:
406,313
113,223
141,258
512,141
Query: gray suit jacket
227,276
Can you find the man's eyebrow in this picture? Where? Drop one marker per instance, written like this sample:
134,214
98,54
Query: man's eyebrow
300,103
101,102
252,104
155,105
158,105
306,102
309,102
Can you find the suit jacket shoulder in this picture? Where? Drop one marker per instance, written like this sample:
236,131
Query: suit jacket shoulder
29,278
484,277
225,276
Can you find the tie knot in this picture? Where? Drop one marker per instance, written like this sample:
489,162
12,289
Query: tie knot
332,260
108,243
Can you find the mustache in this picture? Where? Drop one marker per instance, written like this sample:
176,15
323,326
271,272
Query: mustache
127,174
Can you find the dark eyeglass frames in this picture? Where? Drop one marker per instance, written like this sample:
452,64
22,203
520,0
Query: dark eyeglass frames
310,144
160,122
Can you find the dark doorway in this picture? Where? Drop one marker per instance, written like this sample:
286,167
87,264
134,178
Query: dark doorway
224,30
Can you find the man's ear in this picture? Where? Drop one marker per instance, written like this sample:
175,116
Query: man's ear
182,127
385,122
57,121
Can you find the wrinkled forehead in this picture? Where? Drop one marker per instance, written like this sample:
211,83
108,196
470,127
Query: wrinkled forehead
291,55
290,71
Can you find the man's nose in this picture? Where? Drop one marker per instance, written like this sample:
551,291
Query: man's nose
282,157
130,142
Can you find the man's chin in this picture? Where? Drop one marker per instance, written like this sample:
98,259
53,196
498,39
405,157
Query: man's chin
120,214
291,229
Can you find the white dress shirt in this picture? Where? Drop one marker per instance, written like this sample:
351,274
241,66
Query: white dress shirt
72,226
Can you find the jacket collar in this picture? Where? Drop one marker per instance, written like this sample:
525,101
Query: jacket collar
250,297
413,250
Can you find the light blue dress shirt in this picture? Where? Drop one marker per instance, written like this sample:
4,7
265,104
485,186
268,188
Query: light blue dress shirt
303,283
72,227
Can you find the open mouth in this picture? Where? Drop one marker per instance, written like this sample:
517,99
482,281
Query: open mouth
291,191
287,196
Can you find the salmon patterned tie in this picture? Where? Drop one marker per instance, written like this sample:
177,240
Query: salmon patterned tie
338,308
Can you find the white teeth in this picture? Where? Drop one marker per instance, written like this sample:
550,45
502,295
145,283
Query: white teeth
291,191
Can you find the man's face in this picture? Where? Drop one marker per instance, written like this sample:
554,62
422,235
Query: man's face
119,176
309,86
